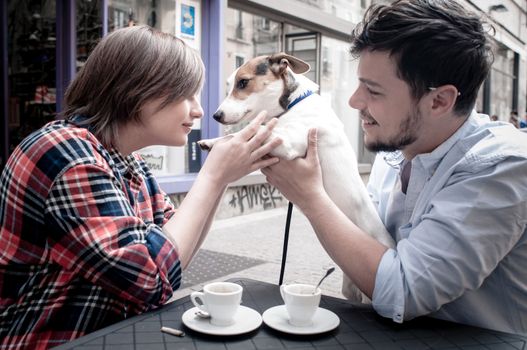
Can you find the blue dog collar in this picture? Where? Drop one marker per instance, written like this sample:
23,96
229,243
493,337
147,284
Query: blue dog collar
300,98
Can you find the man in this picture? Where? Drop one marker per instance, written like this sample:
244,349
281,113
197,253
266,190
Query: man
448,185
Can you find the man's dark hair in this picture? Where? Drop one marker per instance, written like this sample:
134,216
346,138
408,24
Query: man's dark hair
434,43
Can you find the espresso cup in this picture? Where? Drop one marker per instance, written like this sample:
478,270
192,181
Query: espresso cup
220,300
301,302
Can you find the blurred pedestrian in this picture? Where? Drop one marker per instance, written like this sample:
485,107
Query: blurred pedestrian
513,119
523,121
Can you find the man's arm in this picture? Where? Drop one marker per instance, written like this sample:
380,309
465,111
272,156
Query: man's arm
356,253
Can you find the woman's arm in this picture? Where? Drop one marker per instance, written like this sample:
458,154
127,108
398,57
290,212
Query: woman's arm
229,160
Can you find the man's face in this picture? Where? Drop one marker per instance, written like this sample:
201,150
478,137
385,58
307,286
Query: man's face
391,118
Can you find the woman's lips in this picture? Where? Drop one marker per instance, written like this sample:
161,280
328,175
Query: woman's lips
188,127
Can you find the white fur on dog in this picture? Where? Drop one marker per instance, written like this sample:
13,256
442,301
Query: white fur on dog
338,162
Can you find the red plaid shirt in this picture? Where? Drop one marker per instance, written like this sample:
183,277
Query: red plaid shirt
82,245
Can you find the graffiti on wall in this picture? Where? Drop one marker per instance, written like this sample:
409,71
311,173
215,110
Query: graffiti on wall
243,200
248,197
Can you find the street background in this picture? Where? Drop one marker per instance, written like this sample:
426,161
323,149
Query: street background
251,245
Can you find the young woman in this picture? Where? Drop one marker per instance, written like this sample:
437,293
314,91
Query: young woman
89,238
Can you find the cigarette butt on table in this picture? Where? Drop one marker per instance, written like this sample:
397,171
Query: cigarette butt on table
173,331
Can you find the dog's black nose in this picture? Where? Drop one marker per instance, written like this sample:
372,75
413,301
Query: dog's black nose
218,116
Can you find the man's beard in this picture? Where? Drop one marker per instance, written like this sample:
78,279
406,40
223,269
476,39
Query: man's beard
407,134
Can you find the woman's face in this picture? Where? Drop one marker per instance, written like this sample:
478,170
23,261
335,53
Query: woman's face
170,125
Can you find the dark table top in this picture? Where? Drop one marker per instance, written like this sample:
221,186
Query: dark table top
358,329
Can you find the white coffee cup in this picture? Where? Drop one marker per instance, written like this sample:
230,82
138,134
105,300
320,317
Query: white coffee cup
301,303
220,300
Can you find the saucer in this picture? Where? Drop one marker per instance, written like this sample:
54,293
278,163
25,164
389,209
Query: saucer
245,320
323,321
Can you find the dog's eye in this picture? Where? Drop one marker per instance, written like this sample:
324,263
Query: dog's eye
242,84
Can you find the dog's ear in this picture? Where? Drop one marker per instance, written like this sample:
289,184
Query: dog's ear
280,61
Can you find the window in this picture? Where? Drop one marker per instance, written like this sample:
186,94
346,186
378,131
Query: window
32,67
502,82
239,61
239,26
89,28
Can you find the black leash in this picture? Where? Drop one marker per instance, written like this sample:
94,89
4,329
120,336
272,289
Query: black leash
286,242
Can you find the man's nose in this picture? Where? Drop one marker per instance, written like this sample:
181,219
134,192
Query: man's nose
356,101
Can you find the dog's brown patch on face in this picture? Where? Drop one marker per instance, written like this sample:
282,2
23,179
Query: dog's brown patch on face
252,77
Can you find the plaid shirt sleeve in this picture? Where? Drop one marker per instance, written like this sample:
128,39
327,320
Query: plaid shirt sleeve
81,234
98,235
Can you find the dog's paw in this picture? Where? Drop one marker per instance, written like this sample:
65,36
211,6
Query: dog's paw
205,145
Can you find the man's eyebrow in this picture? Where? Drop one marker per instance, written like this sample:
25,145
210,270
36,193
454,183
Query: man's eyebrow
370,82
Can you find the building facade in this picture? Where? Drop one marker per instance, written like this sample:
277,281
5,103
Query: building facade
44,43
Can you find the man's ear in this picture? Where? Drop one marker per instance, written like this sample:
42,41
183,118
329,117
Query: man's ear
444,99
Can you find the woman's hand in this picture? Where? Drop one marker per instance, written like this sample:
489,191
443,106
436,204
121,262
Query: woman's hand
299,180
246,151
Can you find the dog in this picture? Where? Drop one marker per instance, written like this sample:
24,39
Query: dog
276,84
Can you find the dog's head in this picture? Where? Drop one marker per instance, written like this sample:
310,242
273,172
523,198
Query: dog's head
262,83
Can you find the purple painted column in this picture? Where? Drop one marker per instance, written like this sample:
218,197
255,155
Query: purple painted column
4,93
212,52
104,17
66,47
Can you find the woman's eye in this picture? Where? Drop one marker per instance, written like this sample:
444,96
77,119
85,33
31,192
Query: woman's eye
242,84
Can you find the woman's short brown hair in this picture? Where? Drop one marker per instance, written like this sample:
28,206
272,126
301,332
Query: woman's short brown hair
127,68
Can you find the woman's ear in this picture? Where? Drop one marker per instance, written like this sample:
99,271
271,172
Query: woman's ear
444,99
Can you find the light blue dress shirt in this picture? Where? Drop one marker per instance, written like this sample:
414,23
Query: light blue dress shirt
461,252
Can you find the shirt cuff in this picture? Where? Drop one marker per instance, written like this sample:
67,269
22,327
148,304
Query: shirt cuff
388,293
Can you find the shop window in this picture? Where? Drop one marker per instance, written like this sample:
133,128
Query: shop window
124,13
31,69
89,28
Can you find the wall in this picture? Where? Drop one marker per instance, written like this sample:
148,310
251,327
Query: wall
252,197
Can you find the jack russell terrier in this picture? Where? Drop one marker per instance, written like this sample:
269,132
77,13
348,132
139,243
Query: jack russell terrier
276,84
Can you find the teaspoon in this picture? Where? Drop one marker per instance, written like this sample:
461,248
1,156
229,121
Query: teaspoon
328,272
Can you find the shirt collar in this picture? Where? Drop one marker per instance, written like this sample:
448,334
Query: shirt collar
430,161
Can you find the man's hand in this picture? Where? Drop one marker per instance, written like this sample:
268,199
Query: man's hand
299,180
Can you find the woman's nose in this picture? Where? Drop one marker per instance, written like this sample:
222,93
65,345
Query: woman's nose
196,110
